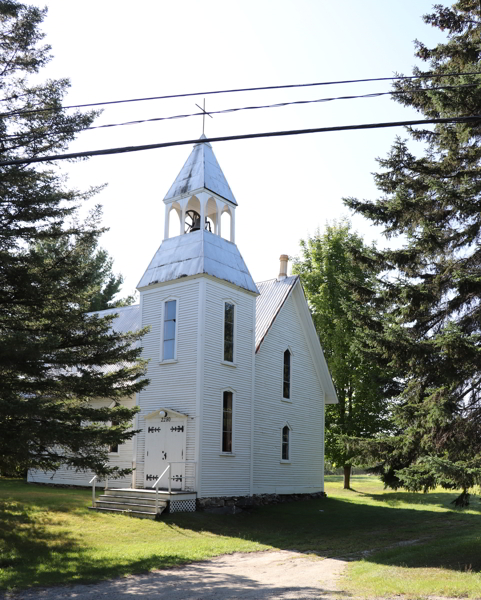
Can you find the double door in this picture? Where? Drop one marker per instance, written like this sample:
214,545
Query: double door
164,445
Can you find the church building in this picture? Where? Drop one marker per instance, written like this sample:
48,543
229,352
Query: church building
238,380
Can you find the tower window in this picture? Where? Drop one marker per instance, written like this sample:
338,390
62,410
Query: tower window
170,330
285,442
227,422
286,385
114,449
229,309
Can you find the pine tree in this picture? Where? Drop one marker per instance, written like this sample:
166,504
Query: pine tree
433,201
54,358
339,287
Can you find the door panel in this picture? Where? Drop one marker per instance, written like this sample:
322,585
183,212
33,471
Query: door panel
164,444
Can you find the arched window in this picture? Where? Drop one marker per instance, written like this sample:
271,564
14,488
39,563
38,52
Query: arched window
285,443
286,385
227,425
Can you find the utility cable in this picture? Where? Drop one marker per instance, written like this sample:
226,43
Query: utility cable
126,149
252,89
232,110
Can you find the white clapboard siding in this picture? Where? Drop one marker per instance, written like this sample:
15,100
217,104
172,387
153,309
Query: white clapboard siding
227,475
64,476
304,413
172,385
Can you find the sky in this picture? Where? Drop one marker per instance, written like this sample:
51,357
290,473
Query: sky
285,187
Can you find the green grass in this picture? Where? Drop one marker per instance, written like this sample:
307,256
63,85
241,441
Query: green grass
48,536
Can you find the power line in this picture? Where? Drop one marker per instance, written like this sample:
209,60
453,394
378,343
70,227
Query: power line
247,136
252,89
232,110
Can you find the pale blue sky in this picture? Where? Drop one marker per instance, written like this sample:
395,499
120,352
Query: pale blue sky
285,187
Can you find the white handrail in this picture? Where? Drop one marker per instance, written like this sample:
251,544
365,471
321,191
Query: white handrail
92,481
156,486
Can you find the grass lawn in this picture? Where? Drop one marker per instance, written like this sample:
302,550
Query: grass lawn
418,545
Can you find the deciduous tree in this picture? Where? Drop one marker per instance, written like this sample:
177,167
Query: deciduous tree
339,286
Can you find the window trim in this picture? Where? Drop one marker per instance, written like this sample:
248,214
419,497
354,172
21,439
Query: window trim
234,348
162,327
233,392
288,400
287,461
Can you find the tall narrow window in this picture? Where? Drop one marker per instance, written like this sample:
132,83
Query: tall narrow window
115,447
170,319
227,422
285,443
286,387
229,331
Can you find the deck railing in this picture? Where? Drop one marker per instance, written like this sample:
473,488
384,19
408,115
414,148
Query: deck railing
169,470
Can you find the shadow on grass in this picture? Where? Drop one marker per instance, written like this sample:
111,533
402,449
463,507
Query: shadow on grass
340,528
384,532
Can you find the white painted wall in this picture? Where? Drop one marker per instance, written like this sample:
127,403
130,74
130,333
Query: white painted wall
304,412
174,384
122,459
227,474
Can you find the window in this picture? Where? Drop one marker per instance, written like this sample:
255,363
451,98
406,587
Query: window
286,385
115,448
285,442
229,309
170,329
227,422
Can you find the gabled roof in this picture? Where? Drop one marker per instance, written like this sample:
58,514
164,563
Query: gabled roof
201,170
273,294
196,253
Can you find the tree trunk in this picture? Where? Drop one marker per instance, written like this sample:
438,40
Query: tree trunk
347,477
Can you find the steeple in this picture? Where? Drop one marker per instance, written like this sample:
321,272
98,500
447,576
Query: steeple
200,194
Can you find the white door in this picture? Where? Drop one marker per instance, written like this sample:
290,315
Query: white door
164,444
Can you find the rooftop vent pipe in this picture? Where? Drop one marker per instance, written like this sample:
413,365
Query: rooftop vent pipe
283,266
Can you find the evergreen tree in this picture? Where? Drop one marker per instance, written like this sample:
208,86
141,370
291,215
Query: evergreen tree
433,201
54,358
338,287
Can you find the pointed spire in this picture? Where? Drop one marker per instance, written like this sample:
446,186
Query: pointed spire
201,170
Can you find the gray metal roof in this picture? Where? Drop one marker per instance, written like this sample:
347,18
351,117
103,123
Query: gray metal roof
128,319
201,170
195,253
273,294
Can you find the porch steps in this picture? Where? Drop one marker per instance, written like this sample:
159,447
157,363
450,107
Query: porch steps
138,503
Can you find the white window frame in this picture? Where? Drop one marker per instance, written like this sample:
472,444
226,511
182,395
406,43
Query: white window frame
288,400
234,352
289,460
164,302
233,392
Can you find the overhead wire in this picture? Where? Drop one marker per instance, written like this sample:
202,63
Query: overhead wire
265,106
238,90
127,149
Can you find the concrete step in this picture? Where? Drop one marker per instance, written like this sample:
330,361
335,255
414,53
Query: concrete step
127,499
131,513
129,505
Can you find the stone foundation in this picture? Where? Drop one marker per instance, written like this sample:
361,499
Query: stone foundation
229,504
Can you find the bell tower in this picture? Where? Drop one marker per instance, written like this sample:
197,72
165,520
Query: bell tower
200,194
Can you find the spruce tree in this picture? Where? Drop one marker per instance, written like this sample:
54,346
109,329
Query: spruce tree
339,287
432,200
54,358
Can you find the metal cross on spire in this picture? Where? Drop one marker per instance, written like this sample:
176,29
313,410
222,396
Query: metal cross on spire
203,116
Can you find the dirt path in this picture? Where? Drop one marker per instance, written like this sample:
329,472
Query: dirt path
256,576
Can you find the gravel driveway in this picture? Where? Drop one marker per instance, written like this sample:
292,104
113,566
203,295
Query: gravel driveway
254,576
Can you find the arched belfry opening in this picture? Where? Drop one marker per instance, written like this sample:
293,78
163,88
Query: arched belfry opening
201,197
